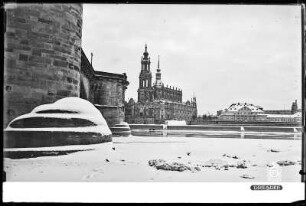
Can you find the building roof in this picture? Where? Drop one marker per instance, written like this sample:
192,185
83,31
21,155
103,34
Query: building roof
237,106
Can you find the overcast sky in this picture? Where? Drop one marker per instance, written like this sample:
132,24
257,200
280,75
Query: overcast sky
223,54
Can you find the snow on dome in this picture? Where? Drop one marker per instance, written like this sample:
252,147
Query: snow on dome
74,104
67,108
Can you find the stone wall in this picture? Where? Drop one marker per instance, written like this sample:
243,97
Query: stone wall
112,115
87,79
42,55
105,90
109,94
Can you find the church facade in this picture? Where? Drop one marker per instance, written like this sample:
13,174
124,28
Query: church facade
157,102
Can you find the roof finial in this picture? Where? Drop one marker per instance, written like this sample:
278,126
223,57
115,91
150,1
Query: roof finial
145,47
158,63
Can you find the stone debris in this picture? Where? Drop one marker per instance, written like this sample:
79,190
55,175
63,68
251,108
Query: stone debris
230,156
246,176
155,162
161,164
241,165
285,163
173,167
219,164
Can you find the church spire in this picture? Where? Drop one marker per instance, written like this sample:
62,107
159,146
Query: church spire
158,75
158,69
145,78
146,53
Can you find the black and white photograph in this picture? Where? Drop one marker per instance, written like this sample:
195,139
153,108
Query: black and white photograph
152,93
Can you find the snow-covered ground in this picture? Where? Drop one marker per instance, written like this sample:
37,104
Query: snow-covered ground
126,159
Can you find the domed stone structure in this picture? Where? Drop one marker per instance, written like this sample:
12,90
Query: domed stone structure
68,121
121,129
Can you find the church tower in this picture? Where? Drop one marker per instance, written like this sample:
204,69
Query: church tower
145,90
294,107
158,82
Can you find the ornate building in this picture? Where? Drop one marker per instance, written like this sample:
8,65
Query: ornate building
157,102
244,112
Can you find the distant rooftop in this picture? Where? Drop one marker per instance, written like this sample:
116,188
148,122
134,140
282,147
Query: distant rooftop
237,106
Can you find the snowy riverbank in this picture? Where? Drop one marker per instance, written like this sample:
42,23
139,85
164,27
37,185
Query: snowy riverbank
127,159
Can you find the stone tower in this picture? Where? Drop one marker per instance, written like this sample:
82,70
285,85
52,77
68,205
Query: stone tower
158,82
145,90
194,104
42,55
294,107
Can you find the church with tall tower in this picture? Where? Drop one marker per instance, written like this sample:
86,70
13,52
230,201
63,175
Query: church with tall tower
145,90
157,102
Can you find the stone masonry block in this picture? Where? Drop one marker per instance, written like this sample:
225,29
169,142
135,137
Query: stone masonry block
60,63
